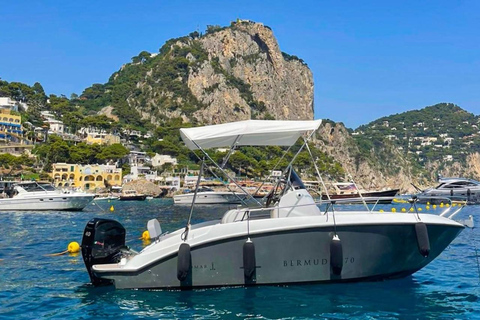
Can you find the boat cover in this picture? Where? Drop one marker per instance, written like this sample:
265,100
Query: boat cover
248,133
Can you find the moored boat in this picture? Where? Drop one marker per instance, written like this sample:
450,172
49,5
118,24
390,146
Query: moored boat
42,196
348,191
286,239
454,189
107,197
209,196
132,195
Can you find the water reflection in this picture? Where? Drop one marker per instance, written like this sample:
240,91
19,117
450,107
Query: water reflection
404,298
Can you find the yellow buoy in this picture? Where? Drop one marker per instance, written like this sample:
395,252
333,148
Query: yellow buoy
447,205
394,210
404,210
112,209
427,207
411,209
441,204
145,235
381,210
434,206
73,247
428,203
454,204
419,209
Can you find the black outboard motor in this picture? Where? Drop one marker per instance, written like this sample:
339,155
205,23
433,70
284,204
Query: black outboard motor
103,240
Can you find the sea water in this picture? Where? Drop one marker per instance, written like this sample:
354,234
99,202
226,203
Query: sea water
34,285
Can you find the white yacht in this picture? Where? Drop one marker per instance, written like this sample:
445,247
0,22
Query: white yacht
40,196
289,238
455,189
209,196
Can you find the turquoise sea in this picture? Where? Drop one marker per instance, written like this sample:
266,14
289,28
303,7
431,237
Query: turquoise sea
36,286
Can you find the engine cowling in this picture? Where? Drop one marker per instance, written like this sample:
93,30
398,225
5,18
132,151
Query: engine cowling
102,242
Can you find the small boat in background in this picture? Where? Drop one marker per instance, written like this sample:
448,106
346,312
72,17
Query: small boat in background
108,197
209,196
42,196
348,191
129,195
455,189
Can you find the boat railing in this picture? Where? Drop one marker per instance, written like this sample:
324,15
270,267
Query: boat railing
449,211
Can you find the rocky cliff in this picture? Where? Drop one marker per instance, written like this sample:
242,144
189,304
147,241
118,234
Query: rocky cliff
232,73
378,170
280,88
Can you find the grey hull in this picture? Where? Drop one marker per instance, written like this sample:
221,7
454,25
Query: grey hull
297,256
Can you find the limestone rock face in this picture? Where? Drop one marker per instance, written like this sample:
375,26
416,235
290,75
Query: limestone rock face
388,170
249,52
230,74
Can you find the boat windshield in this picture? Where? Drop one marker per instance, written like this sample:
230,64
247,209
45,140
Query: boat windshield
457,185
295,180
33,187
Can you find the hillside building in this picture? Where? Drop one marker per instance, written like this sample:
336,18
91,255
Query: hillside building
86,177
160,159
141,172
11,129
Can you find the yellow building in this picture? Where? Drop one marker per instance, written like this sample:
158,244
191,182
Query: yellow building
10,126
102,138
86,177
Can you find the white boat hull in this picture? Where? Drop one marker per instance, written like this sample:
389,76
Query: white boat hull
208,197
54,202
287,250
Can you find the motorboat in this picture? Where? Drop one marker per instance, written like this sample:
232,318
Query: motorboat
132,195
42,196
109,197
349,191
289,238
455,189
207,195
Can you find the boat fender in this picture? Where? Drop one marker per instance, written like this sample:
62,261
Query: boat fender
184,261
336,255
249,259
422,239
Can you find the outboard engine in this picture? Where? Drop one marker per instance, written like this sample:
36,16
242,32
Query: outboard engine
102,242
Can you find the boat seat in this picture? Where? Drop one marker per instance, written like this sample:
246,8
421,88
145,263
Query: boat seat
154,229
233,215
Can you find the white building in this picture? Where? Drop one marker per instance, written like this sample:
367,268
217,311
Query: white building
56,126
137,172
160,159
6,102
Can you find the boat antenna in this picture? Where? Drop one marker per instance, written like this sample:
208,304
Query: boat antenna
187,227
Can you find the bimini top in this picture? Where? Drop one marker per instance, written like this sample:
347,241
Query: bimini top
247,133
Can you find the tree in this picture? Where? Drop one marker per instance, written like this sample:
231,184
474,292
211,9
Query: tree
113,152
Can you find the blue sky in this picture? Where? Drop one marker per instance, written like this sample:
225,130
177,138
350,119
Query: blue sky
369,58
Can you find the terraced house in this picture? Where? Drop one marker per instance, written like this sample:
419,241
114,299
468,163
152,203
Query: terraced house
86,177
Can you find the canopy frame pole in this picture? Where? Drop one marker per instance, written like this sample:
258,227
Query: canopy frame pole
187,227
318,173
216,176
225,173
271,171
301,148
232,148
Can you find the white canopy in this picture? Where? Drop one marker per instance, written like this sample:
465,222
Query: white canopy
247,133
